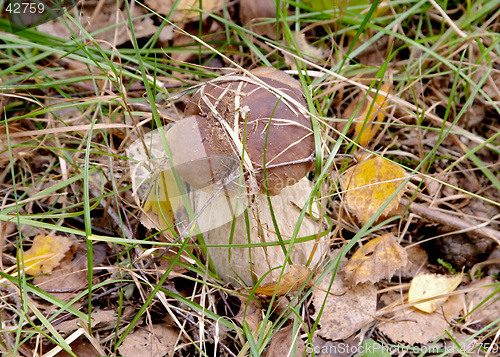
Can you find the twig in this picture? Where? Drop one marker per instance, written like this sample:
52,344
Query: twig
452,221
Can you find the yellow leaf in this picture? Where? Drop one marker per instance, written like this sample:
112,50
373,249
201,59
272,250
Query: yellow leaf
427,286
291,280
369,185
163,195
365,130
377,259
45,254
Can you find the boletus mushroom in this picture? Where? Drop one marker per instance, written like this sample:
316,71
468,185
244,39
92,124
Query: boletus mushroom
255,116
262,118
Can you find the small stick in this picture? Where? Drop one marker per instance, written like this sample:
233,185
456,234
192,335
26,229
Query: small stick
452,221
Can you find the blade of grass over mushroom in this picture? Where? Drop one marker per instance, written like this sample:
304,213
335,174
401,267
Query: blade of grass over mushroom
264,171
310,105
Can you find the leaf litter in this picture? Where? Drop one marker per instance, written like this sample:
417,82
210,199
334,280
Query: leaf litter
401,274
377,259
346,309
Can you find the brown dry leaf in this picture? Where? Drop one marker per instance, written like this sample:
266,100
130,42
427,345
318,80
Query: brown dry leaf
185,10
45,254
412,326
490,310
377,259
417,259
104,319
282,343
251,312
427,286
290,281
80,348
157,340
346,309
369,184
66,281
366,129
253,12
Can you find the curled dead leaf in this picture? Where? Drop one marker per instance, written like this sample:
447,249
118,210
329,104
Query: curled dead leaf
156,341
286,343
377,259
290,281
485,295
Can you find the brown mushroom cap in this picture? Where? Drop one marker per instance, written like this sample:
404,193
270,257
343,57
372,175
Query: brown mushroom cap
280,102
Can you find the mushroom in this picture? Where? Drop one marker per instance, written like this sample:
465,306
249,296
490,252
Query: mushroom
235,116
258,119
267,105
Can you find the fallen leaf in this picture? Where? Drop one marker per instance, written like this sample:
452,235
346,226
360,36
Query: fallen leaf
413,326
45,254
490,310
366,129
282,343
377,259
417,259
290,281
80,348
70,276
251,312
369,184
427,286
157,340
346,309
104,319
326,348
252,13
